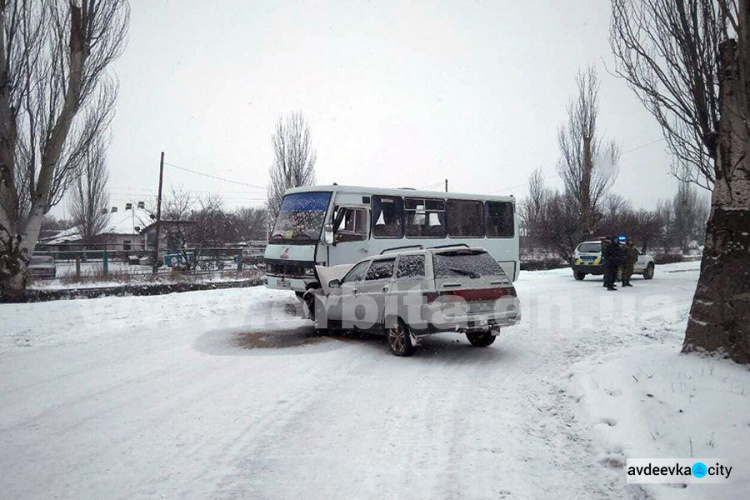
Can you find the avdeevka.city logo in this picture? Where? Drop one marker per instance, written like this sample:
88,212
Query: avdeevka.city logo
678,470
700,470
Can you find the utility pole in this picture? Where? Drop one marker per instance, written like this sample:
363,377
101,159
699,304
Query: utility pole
446,185
158,215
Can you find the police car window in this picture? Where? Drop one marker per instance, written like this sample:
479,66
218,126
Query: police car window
380,269
410,267
357,272
595,247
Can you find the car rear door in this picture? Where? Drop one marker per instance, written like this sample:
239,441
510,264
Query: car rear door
471,282
407,293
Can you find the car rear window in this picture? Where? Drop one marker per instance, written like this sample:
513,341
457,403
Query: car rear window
595,247
471,263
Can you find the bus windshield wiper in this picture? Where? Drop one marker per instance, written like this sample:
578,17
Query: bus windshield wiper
470,274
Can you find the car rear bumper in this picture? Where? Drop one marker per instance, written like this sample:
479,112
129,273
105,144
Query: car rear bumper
596,270
470,324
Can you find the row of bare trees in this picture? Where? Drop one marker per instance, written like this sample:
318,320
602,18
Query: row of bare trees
195,222
552,222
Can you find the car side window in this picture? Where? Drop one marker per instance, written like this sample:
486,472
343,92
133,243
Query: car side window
380,270
410,267
356,273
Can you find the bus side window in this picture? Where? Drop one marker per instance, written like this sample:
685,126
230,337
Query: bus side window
465,218
499,219
425,218
387,216
352,224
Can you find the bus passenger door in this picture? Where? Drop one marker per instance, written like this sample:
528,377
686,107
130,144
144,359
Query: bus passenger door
351,230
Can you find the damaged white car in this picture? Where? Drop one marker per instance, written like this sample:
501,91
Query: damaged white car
415,293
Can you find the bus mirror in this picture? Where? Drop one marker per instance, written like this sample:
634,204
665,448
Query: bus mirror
328,234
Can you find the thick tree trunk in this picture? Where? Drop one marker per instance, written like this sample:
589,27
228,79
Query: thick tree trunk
13,278
720,315
586,188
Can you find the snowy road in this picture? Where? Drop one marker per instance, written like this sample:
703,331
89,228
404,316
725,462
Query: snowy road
226,394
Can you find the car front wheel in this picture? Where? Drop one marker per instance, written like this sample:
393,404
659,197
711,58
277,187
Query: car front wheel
480,339
399,339
578,275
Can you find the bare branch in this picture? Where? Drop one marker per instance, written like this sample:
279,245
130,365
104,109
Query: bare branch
294,159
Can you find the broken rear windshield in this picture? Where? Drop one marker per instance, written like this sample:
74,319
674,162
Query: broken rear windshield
471,263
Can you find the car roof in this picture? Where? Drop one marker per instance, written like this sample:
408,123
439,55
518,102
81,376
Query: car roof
420,251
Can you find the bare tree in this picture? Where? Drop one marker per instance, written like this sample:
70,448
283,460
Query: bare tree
588,165
89,198
668,51
196,225
176,212
647,228
294,159
689,62
55,99
615,215
532,208
666,217
251,223
686,206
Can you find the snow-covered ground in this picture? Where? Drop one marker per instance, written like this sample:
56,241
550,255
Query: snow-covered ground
229,394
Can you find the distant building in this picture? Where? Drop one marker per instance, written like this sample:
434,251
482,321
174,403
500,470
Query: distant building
124,231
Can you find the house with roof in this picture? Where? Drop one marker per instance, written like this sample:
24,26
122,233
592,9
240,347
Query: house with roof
123,231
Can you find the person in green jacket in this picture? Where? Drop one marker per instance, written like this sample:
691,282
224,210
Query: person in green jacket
629,258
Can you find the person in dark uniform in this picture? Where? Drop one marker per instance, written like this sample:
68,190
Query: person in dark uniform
611,256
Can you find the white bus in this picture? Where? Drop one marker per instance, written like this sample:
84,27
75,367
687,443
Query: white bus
332,225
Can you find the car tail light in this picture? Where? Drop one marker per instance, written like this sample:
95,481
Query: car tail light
431,296
483,294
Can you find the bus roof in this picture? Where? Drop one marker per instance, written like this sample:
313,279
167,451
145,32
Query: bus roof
399,192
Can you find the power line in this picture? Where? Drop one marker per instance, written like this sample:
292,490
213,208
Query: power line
642,146
223,179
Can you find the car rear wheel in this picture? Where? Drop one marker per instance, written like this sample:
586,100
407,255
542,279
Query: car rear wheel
649,272
480,339
399,339
578,275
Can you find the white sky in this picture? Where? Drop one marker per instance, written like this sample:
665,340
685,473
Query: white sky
396,93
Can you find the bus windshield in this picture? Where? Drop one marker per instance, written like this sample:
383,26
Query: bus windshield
301,217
